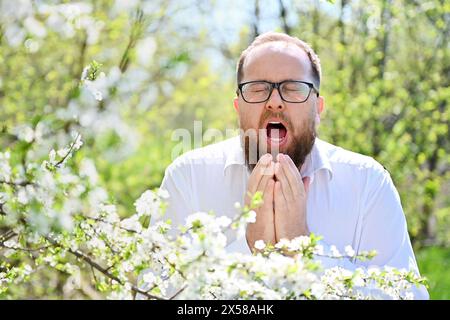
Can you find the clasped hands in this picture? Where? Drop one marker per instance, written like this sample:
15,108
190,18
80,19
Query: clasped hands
283,212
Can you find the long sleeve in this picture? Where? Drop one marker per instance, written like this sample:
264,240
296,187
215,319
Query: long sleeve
179,202
384,229
180,206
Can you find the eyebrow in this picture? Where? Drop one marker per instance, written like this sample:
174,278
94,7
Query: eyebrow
289,79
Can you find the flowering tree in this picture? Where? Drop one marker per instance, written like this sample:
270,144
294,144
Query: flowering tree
58,222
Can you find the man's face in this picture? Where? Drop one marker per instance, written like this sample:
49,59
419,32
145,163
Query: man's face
280,126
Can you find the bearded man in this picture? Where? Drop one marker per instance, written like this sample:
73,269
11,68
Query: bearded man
308,185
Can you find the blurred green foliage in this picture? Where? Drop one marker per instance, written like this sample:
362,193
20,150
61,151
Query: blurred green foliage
434,263
386,83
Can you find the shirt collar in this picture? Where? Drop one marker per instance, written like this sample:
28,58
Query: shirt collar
315,161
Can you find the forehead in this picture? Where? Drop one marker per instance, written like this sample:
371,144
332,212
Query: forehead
277,61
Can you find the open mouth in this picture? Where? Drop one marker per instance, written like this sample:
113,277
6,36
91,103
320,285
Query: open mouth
276,133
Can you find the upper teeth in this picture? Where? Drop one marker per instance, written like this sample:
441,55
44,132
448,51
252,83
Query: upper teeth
274,122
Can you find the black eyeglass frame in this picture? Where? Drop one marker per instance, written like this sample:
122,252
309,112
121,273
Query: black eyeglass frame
276,85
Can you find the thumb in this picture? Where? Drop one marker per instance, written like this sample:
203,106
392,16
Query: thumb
306,181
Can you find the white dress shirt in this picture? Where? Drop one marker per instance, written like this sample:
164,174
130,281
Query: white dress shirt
351,201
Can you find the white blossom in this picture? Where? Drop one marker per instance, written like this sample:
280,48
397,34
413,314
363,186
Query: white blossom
260,245
14,34
52,156
19,9
97,88
409,296
5,167
88,170
319,250
78,142
65,220
223,221
149,278
63,152
97,196
251,217
282,243
132,223
147,204
145,49
122,294
334,251
22,196
35,27
110,212
163,194
349,251
24,133
317,289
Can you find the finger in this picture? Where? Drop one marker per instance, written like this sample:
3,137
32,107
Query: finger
268,197
258,172
264,215
284,183
292,173
268,174
280,209
290,163
263,228
280,203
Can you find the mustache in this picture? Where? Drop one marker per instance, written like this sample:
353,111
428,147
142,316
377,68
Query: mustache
269,114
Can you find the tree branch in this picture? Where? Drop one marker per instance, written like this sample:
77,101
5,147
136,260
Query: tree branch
58,164
177,293
17,183
6,236
95,265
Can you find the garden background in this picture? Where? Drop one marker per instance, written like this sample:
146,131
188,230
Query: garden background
166,64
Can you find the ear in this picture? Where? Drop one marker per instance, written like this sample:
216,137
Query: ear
236,104
320,105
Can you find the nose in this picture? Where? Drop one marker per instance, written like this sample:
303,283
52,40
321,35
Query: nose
275,103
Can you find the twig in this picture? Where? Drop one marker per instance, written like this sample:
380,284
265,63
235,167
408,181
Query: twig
95,265
93,273
113,224
58,164
177,293
18,183
113,250
24,249
5,236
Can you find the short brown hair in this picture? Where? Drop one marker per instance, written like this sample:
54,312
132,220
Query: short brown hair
282,37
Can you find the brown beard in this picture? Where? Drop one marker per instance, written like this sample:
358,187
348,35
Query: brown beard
298,149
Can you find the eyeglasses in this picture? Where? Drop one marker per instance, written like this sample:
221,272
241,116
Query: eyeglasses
290,90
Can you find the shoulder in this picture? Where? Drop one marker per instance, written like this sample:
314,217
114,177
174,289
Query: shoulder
361,174
213,155
340,158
